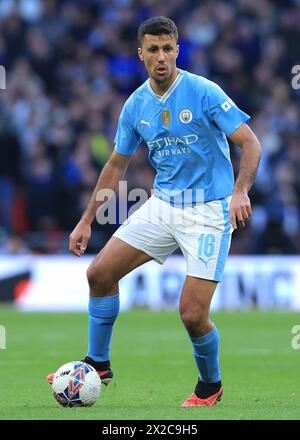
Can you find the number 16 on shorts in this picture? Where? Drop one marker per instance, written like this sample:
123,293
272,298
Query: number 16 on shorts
206,245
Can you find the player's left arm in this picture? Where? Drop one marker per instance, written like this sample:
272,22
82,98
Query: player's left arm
240,206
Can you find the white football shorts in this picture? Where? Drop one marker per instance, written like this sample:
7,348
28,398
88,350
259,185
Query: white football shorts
203,233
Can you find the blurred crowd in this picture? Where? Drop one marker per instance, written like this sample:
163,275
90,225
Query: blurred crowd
71,64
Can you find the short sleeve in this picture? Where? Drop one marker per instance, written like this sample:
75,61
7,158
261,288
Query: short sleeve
126,139
224,112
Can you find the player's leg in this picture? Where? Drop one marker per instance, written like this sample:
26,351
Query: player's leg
141,238
194,307
204,237
115,260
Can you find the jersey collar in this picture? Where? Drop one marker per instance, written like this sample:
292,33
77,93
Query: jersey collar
168,93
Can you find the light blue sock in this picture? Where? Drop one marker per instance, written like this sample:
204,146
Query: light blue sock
102,315
206,356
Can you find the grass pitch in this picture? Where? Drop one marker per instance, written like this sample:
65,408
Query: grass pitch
154,367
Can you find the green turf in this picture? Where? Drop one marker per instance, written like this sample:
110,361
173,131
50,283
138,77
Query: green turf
153,365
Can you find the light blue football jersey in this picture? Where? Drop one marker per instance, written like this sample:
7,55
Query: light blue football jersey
185,130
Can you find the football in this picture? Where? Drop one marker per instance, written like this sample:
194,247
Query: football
76,384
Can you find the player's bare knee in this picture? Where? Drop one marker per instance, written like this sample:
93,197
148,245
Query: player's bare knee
195,321
100,281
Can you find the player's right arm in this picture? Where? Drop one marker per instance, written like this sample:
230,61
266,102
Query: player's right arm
126,142
109,178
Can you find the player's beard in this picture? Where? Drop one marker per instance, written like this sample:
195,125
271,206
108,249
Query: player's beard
162,79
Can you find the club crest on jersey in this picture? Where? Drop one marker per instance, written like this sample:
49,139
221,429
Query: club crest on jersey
185,116
166,118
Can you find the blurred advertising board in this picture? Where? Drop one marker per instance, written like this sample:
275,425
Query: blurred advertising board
58,283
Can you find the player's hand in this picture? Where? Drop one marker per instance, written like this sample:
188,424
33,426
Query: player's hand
239,210
79,238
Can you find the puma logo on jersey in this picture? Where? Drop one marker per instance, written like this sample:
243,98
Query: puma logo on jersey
145,123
